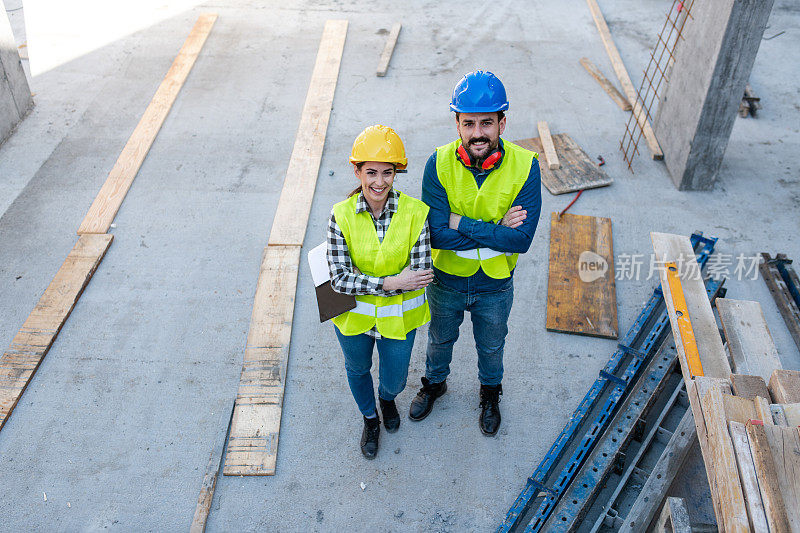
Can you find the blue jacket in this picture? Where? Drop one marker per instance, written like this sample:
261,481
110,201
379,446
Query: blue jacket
473,233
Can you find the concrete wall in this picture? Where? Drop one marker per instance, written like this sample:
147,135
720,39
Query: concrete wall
712,66
15,95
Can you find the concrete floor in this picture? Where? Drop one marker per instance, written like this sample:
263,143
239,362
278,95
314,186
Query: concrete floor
117,424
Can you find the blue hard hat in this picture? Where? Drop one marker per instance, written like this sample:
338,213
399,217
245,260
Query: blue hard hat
479,92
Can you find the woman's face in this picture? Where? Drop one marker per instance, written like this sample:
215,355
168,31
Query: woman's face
376,180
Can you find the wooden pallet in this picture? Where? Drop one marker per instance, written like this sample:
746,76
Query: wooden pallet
576,169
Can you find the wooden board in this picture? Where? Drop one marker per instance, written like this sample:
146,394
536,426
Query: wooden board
294,205
763,410
386,56
576,171
547,145
108,201
782,296
583,302
726,488
40,329
625,80
697,390
253,442
612,91
784,442
747,473
674,517
791,411
677,248
206,496
738,409
768,482
749,340
749,386
784,386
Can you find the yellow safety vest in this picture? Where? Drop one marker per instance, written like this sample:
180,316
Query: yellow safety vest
489,203
394,316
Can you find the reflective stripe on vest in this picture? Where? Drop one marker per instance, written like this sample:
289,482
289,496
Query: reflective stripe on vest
490,202
393,316
384,311
479,253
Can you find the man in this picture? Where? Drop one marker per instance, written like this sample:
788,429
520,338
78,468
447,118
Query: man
485,198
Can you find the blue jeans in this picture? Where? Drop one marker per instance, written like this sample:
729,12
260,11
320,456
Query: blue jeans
489,313
393,358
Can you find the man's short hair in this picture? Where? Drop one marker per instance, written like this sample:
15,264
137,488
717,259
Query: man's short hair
500,115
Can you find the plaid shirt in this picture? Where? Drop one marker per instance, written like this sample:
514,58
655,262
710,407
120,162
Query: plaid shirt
346,279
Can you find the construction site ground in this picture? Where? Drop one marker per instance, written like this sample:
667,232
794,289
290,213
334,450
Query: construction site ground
116,427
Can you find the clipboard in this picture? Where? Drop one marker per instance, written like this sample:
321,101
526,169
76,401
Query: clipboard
329,302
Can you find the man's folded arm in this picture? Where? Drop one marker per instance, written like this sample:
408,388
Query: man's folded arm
504,239
435,196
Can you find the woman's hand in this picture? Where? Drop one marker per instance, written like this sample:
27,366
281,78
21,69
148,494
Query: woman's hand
514,217
408,280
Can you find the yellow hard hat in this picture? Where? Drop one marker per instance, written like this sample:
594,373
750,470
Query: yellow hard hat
379,143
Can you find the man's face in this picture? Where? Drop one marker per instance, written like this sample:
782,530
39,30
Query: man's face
480,133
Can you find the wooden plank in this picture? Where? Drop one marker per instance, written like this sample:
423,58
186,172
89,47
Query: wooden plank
625,80
697,390
784,442
749,340
108,201
726,488
738,409
577,171
780,293
747,473
792,413
31,343
677,248
547,145
784,386
674,517
253,442
749,386
768,482
612,91
581,293
386,56
294,204
206,496
763,411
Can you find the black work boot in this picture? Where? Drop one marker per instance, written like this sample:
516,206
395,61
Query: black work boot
391,418
422,403
370,436
490,408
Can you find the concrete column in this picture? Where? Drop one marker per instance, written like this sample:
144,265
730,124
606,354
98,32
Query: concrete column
15,95
706,83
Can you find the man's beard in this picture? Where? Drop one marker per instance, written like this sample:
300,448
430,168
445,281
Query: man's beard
476,159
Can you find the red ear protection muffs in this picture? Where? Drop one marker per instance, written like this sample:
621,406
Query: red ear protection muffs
488,163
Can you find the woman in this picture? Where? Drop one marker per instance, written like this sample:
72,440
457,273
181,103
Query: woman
379,250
